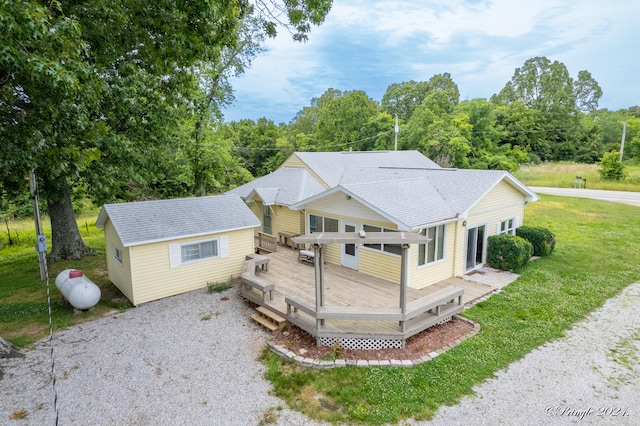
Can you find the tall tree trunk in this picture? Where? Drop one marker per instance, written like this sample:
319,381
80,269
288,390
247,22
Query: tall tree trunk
66,242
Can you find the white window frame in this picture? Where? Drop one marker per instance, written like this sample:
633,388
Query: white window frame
507,226
322,221
382,247
176,256
117,254
439,245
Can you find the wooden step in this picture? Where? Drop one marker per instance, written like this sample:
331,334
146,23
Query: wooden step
265,323
269,319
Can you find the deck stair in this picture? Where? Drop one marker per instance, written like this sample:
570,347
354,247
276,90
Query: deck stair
269,319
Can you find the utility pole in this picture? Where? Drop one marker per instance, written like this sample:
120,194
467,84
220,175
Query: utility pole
41,238
396,130
624,132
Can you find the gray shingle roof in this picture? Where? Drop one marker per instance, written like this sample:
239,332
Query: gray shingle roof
284,187
163,220
413,198
330,166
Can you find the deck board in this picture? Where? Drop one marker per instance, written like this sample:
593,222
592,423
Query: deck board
344,286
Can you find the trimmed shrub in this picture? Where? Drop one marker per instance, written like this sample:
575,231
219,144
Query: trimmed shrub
508,252
542,239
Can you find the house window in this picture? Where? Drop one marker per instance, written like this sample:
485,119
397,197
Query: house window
186,253
266,220
202,250
508,227
117,254
322,224
434,250
387,248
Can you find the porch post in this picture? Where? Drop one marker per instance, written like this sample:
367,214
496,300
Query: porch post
404,283
319,275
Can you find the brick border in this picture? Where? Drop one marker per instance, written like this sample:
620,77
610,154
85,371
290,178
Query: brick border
324,364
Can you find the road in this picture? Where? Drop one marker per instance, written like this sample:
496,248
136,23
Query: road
626,197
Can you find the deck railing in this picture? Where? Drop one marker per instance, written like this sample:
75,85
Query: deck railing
267,242
420,315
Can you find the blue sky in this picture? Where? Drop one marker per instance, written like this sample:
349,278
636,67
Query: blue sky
369,45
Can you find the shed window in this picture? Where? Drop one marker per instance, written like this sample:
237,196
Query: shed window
195,251
198,251
117,254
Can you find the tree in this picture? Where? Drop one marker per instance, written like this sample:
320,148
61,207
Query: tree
587,92
438,133
87,87
548,88
341,120
403,98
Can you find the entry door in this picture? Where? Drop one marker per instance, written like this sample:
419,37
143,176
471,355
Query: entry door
475,247
350,251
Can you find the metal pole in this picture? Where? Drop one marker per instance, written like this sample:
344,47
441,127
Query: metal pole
41,239
624,132
396,130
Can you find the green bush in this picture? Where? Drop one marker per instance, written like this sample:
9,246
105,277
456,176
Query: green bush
542,239
508,252
611,168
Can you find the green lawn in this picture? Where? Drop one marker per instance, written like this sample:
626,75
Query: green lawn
563,175
597,255
24,314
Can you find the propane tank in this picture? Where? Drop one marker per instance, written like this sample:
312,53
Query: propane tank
79,290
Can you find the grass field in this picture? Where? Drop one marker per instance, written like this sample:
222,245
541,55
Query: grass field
563,175
24,314
597,255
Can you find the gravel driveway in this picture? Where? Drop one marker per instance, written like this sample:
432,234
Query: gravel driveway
192,359
162,363
591,376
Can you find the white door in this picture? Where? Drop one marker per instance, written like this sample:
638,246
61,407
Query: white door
350,251
475,251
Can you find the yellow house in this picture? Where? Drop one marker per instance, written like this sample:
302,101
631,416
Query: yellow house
391,191
161,248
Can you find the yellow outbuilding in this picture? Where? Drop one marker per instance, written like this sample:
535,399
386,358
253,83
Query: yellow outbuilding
161,248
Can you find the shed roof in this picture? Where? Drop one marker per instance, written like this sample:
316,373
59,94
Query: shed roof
164,220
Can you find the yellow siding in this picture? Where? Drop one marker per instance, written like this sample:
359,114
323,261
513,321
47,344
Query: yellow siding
284,219
152,277
501,203
295,162
385,266
256,208
369,261
119,273
423,275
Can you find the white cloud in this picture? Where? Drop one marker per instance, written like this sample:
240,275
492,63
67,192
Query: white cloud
369,45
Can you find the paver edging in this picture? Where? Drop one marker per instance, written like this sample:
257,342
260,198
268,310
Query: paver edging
339,363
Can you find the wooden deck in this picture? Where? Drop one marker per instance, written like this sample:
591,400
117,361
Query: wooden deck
344,287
